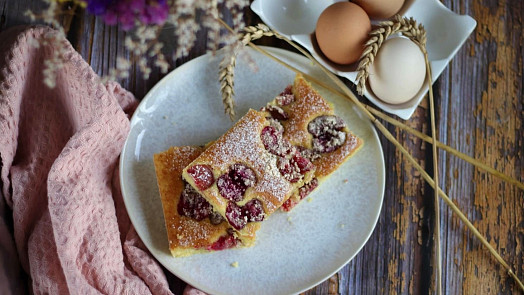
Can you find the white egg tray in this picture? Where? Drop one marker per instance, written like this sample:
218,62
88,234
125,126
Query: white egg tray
446,32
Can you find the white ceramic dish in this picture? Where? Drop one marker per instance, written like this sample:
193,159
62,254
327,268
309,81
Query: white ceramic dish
290,255
446,32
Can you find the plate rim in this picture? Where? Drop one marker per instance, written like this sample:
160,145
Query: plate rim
188,280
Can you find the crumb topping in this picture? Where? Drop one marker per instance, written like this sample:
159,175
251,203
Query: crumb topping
328,133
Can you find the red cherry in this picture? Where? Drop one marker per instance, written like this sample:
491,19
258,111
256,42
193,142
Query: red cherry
254,210
235,217
202,176
224,242
193,205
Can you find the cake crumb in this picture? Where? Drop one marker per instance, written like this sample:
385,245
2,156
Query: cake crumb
289,219
234,264
346,180
309,200
342,225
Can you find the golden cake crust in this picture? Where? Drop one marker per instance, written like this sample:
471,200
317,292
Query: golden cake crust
308,105
186,236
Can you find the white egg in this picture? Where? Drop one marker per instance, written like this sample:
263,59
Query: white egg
398,72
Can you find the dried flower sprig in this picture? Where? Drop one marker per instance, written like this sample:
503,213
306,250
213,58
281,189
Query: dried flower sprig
143,20
128,13
57,59
349,94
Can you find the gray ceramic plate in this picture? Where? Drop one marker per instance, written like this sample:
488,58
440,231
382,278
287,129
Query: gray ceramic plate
294,251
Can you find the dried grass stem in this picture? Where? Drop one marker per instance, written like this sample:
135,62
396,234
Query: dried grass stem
347,93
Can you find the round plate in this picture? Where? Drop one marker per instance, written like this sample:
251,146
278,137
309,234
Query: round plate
294,251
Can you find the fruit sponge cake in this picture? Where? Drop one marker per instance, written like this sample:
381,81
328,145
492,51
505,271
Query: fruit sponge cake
309,122
249,172
192,226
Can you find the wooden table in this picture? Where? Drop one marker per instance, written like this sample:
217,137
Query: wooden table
479,103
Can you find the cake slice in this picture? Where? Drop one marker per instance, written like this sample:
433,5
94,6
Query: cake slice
309,122
192,226
249,172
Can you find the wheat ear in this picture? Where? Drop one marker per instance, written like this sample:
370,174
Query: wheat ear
409,28
226,70
405,26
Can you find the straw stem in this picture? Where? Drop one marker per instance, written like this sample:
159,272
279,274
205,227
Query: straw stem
349,94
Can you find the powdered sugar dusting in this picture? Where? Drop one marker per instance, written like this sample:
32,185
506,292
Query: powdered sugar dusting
328,133
305,108
202,176
309,106
184,233
242,144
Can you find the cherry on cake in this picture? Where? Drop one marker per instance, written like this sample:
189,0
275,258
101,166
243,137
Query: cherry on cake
308,122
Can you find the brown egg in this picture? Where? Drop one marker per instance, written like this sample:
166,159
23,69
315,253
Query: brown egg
342,30
380,9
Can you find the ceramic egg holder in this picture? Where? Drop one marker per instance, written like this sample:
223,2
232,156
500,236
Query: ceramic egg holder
446,32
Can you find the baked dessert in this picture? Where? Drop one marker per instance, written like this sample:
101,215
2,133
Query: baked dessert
192,226
249,172
309,122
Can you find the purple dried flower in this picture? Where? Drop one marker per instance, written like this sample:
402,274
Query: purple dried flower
110,18
98,7
127,12
155,13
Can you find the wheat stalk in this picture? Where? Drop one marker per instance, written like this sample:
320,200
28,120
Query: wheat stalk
399,25
226,75
460,155
407,27
226,71
348,94
253,33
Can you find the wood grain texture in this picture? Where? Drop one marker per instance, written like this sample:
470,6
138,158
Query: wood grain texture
481,105
479,99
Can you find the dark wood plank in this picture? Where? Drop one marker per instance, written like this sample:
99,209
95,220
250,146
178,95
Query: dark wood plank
481,115
12,12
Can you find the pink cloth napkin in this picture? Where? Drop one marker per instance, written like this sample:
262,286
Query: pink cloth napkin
59,152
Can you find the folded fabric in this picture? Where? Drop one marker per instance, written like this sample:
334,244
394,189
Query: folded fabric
59,150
